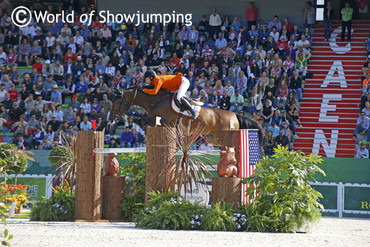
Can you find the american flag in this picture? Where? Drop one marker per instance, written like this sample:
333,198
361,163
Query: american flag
249,156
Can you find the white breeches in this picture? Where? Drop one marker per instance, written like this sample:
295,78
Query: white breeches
183,88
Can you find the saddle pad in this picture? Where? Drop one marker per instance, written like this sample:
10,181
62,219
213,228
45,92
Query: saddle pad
185,113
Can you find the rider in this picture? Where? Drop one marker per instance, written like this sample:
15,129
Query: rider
169,83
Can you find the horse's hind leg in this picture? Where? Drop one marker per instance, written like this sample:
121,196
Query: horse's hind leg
178,119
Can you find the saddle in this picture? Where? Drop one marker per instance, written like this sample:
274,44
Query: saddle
180,109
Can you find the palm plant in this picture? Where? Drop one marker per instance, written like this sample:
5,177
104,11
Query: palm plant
64,158
183,168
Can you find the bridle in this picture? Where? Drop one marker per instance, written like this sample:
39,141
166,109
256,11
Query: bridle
124,102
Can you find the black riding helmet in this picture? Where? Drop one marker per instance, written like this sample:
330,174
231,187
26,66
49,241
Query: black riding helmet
149,73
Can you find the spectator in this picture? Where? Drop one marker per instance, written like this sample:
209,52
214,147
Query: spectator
309,15
362,126
19,142
106,104
20,126
236,102
304,43
24,51
269,143
274,129
54,123
275,23
81,86
14,115
3,92
29,104
236,24
214,22
301,64
282,92
286,130
49,134
3,116
85,124
38,136
113,143
126,138
47,87
276,119
206,146
346,13
224,101
56,96
366,109
328,17
362,152
36,111
59,113
46,144
267,111
251,15
31,126
281,139
137,138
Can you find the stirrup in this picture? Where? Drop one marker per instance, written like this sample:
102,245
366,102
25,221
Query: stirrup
187,105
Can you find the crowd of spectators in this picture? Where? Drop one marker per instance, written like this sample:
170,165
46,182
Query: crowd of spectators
363,124
254,68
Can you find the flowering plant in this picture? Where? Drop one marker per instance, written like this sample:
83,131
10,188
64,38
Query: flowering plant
59,207
12,192
195,221
240,221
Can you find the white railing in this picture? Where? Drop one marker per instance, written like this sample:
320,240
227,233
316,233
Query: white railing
341,197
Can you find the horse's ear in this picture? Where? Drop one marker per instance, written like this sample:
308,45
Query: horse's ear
118,93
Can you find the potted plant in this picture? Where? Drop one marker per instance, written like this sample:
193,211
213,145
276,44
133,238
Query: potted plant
15,196
14,161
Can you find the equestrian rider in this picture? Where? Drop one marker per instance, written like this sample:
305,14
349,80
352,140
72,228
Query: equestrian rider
169,83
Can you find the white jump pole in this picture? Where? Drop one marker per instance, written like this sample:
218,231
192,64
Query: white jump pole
143,150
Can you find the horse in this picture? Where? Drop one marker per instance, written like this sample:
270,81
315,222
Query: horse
214,121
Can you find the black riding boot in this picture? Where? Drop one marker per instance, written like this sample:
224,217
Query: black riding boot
187,105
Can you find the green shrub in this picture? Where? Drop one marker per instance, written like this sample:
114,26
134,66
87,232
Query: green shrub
168,211
60,154
219,218
131,205
282,198
60,206
134,172
157,199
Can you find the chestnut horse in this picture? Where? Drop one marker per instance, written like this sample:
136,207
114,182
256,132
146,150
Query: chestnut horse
214,120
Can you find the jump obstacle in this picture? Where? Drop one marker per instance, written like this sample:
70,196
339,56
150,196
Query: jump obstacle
90,184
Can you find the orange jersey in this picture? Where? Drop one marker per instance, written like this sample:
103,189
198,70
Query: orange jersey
365,82
167,82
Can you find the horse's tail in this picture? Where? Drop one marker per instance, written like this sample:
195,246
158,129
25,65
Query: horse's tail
247,123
